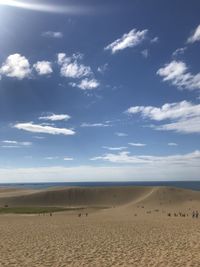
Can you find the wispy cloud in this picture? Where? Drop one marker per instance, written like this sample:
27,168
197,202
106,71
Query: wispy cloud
179,51
177,73
51,34
38,128
115,148
55,117
121,134
145,53
126,158
39,137
172,144
130,39
184,115
15,144
154,40
51,158
85,124
102,69
68,159
137,144
195,36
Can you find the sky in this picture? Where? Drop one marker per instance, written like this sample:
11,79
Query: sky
99,91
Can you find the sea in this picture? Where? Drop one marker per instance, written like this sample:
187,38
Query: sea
194,185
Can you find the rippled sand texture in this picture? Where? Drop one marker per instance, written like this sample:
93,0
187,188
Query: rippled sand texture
66,240
139,233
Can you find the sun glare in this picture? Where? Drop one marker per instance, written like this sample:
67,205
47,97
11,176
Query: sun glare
44,7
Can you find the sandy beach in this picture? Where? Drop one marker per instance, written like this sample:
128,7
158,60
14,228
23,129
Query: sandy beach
133,229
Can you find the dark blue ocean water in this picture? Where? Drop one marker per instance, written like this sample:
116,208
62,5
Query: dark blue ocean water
194,185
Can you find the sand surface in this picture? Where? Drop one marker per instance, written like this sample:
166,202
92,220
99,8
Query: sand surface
134,232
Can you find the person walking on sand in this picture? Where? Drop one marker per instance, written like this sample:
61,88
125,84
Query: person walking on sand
197,214
193,214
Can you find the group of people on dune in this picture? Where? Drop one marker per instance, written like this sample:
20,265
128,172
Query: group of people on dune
195,214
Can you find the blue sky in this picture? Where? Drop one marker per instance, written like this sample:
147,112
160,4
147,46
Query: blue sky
105,90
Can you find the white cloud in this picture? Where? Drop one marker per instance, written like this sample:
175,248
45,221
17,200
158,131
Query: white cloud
121,157
184,115
75,70
195,36
121,134
62,58
172,71
177,73
86,84
10,142
16,66
43,67
172,144
39,137
51,158
115,148
131,39
179,51
55,117
38,128
145,53
183,109
102,69
71,67
51,34
68,159
187,126
84,124
154,40
15,144
125,158
137,144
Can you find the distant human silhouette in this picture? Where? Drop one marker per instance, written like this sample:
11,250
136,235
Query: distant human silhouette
197,214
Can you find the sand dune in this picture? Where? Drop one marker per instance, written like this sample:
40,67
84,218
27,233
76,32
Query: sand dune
76,196
99,196
135,231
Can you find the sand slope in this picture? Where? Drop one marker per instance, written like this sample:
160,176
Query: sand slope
77,196
100,196
135,231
